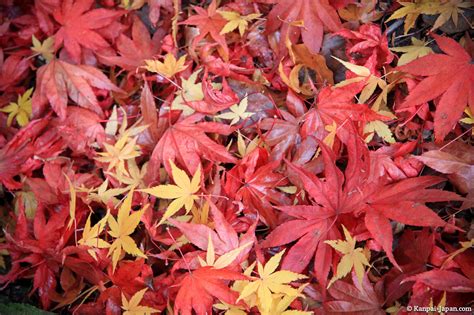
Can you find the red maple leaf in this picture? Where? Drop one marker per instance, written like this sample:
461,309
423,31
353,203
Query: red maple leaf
224,238
42,252
282,133
82,130
444,280
12,70
199,288
134,51
81,28
186,142
17,151
337,104
353,192
369,45
356,299
209,22
449,75
254,181
58,79
316,15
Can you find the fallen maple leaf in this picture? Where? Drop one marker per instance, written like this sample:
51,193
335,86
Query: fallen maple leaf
133,52
316,15
79,27
15,153
210,22
237,21
368,46
357,299
121,228
224,260
169,67
199,287
183,193
186,142
224,238
412,10
237,112
90,235
21,110
444,280
58,79
450,10
191,91
418,49
271,282
45,49
353,258
457,161
12,70
115,155
133,307
446,77
82,131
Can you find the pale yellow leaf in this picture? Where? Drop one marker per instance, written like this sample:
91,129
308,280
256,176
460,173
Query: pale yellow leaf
121,229
416,50
21,110
353,258
133,306
183,193
169,67
45,49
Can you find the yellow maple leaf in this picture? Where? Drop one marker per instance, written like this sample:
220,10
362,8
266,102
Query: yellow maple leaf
21,110
237,112
244,149
90,235
72,201
372,82
353,257
224,260
190,92
330,137
412,10
133,306
169,67
45,49
121,229
102,193
450,10
381,129
135,175
183,193
469,120
416,50
230,309
281,303
116,155
363,73
236,21
270,282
